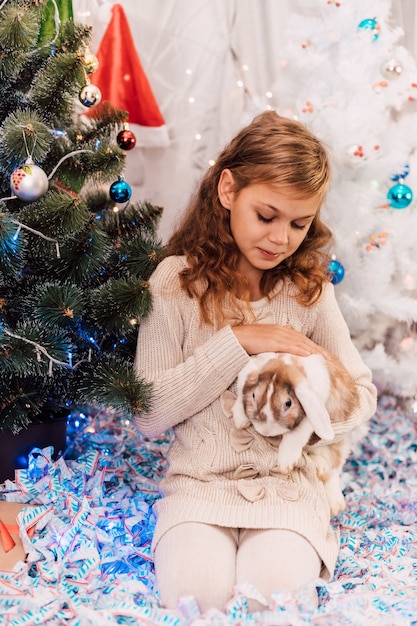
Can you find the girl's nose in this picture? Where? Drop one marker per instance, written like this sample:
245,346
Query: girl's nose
279,233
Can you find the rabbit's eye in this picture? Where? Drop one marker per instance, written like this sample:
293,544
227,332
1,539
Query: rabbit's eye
288,403
253,395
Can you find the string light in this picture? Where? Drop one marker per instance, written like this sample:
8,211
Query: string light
35,232
67,156
38,349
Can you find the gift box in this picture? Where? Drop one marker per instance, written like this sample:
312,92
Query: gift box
11,546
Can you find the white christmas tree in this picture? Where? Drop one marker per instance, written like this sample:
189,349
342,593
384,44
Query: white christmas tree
347,77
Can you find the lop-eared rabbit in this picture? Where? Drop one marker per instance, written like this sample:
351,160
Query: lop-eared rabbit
296,397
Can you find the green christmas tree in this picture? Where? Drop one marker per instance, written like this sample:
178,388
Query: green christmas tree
75,251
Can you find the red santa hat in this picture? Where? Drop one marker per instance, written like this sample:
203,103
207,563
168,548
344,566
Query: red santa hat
122,82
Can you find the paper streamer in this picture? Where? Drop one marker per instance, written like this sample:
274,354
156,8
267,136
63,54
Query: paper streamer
89,560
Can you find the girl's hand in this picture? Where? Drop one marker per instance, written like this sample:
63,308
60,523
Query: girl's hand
257,338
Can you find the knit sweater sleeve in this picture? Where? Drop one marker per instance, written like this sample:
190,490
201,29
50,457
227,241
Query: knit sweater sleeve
331,331
182,385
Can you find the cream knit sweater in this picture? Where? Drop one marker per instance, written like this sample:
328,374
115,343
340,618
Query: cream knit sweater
217,474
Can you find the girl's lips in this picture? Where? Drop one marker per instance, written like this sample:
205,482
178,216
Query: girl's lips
271,255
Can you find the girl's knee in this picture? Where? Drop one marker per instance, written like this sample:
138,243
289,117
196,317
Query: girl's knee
196,560
275,560
209,592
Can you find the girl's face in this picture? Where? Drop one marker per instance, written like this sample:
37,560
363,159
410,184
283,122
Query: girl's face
268,223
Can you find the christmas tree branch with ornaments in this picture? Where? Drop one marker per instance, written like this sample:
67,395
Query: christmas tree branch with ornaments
76,251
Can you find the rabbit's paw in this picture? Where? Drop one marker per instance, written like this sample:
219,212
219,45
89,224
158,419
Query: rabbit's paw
322,466
240,420
288,458
334,494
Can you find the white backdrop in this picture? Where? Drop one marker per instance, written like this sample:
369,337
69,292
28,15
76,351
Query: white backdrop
212,65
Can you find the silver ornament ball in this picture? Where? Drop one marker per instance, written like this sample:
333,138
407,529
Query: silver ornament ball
90,95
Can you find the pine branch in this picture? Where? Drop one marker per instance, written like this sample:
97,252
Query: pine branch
56,86
102,120
11,248
56,305
95,162
112,382
135,218
19,29
26,339
57,214
142,255
17,406
83,256
119,303
37,138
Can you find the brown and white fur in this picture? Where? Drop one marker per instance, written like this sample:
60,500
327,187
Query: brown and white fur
295,397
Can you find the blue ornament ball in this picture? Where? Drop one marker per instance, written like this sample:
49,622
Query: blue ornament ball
400,196
371,24
120,191
337,271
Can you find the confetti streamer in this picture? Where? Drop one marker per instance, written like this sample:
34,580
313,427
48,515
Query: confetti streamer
89,558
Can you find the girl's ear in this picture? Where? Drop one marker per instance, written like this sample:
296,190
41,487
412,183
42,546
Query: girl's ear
225,188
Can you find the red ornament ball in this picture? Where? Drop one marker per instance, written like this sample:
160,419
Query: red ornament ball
126,140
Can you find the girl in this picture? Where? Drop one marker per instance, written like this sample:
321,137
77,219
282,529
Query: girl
244,273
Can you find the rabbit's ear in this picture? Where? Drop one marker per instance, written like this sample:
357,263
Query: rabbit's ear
227,400
315,410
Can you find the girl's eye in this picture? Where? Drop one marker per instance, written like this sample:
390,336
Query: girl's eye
264,219
299,226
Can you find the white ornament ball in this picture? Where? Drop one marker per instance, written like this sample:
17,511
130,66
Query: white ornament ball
29,182
391,69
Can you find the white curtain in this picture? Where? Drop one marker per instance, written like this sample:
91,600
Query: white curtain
212,65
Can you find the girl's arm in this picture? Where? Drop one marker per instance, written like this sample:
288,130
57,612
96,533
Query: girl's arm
181,387
257,338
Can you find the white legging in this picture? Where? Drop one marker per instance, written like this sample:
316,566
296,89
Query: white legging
206,561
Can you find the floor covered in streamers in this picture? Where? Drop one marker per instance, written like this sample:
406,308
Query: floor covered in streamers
89,560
